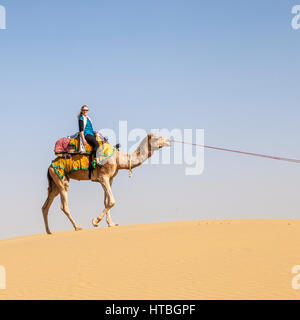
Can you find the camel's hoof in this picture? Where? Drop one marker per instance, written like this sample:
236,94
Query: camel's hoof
95,222
48,232
113,225
78,229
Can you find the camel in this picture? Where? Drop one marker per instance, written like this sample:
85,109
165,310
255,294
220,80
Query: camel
104,175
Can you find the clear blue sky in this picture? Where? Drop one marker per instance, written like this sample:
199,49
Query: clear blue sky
230,67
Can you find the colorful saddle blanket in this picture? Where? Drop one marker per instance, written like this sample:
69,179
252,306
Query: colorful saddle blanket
66,165
76,162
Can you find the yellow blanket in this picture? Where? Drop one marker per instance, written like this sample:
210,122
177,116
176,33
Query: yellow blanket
64,166
76,162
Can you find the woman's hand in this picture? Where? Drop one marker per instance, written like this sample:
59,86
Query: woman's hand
84,142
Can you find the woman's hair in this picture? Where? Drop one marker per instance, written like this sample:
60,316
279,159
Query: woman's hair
80,113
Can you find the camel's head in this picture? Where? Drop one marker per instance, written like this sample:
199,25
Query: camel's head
157,142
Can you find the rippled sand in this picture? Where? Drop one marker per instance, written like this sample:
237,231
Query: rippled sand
230,259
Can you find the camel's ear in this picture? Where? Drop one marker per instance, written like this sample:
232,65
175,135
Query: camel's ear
150,135
152,138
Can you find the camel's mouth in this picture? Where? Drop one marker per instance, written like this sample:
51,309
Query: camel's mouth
164,142
159,142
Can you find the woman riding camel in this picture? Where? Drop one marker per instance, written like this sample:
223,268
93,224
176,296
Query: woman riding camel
87,133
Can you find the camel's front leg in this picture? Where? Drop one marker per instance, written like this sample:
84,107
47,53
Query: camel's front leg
108,218
109,202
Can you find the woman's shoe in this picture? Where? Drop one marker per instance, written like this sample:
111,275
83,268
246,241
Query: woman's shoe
97,155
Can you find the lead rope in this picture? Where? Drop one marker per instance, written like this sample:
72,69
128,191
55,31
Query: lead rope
129,165
243,152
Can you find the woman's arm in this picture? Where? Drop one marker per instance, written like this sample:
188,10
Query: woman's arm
81,125
81,131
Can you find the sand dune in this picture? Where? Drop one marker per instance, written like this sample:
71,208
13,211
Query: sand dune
230,259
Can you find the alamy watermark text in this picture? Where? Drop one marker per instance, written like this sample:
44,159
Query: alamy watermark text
2,18
296,18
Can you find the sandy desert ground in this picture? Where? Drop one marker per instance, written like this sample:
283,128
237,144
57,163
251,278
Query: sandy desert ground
229,259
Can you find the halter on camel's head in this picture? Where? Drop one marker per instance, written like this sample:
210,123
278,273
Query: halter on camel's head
155,142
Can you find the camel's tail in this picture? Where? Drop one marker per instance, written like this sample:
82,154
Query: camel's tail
50,181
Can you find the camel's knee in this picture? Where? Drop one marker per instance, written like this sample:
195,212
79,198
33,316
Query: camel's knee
44,208
65,209
54,192
46,205
66,186
111,203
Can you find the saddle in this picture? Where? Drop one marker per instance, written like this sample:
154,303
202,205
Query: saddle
71,156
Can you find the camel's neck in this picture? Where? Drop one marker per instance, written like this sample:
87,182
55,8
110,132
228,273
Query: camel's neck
135,159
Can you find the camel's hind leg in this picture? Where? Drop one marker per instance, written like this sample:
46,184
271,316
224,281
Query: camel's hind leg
62,186
52,193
